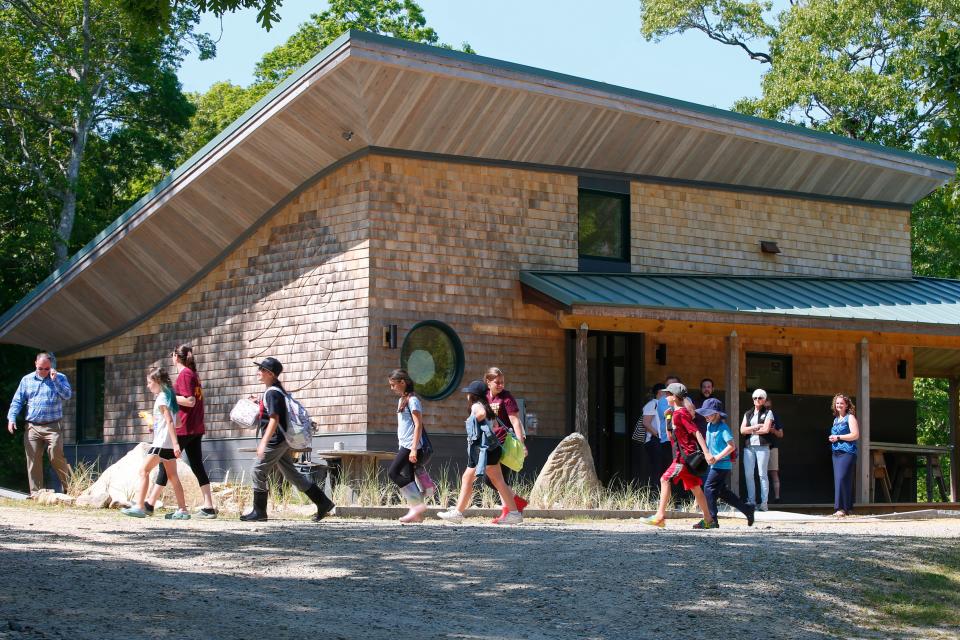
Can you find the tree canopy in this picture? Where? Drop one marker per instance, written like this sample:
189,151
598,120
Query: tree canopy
77,75
883,71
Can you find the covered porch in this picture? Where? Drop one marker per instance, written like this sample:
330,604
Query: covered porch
866,338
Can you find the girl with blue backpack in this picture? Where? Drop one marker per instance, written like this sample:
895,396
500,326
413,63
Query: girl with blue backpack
483,458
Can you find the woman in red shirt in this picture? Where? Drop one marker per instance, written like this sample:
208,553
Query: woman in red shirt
687,438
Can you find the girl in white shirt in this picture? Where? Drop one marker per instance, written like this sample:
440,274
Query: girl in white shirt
165,448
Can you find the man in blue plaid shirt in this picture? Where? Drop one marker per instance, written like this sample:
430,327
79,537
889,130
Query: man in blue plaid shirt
42,393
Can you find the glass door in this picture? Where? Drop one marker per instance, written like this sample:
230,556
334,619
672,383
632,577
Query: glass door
615,396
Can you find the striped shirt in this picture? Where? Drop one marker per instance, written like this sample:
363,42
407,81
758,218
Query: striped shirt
42,396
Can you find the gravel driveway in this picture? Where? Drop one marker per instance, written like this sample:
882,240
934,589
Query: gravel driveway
77,574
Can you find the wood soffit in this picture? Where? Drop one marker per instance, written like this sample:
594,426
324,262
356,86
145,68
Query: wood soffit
367,92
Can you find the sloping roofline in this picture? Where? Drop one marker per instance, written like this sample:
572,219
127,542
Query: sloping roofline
919,163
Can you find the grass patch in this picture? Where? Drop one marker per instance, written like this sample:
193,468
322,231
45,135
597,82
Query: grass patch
925,594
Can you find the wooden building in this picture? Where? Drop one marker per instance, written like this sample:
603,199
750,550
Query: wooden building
393,202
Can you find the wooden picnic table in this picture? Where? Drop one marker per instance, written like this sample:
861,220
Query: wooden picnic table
931,453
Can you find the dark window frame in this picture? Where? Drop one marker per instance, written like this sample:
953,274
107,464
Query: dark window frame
87,367
459,364
785,358
614,189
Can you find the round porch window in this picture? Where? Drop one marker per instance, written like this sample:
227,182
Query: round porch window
433,356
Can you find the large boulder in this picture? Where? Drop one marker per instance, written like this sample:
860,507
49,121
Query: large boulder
121,480
569,478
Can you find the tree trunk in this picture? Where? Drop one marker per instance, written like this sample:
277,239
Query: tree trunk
68,211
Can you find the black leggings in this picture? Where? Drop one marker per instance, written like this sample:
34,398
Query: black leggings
190,445
401,470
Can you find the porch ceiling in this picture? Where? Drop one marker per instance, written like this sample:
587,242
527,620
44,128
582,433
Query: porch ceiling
936,363
367,93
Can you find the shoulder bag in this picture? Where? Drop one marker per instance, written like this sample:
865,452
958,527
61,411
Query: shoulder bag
696,462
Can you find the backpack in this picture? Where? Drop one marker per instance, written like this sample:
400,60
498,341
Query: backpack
298,431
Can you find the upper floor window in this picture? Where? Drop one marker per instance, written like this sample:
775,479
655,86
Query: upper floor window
604,225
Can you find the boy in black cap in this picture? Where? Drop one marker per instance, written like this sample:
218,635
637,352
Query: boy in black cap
273,448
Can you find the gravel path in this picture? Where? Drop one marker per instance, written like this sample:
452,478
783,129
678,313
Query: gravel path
77,574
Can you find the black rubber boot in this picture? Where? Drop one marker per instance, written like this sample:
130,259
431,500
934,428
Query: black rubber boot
319,498
259,513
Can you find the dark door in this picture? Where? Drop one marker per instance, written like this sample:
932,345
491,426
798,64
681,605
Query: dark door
615,395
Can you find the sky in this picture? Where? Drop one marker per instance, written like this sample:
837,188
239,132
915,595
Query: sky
573,37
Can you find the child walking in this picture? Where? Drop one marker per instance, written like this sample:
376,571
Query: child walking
273,450
720,447
483,458
688,437
403,469
165,448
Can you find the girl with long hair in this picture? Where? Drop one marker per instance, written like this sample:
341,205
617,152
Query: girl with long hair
190,430
403,469
165,448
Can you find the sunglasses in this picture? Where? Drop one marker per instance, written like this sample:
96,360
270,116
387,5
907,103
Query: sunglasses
758,398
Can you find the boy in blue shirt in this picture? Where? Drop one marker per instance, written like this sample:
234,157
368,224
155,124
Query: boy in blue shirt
720,446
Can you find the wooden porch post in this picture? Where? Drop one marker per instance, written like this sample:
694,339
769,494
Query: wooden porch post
580,421
954,440
732,402
864,463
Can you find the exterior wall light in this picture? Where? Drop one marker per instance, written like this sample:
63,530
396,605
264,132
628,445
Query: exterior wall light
769,246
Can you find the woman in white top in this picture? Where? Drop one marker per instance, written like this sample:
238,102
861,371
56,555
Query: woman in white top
756,426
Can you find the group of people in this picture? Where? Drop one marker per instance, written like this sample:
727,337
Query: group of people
688,442
494,413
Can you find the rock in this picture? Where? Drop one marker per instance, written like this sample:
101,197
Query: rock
569,478
121,480
94,500
48,497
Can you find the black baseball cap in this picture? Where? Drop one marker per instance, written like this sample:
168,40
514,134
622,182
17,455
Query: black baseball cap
270,364
477,388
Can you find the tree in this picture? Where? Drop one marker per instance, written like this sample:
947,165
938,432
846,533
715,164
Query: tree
224,102
74,71
402,19
157,13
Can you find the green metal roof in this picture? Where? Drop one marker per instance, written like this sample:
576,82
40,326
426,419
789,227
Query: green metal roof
914,300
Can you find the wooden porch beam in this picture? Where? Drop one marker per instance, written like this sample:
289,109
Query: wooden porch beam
864,480
720,325
580,421
732,401
954,396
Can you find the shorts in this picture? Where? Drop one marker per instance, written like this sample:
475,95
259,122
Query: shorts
678,472
774,464
473,457
165,454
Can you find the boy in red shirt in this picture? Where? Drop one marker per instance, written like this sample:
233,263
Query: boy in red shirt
687,438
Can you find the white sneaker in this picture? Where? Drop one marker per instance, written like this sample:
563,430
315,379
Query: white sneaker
514,517
762,507
451,515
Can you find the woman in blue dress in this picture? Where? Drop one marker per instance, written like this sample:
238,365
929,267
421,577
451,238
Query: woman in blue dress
843,440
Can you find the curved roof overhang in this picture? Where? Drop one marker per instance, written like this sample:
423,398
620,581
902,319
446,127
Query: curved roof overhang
366,92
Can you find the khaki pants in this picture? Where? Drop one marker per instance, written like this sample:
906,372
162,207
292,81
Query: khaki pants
38,437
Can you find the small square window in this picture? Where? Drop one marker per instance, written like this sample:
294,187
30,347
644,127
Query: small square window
604,231
771,372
